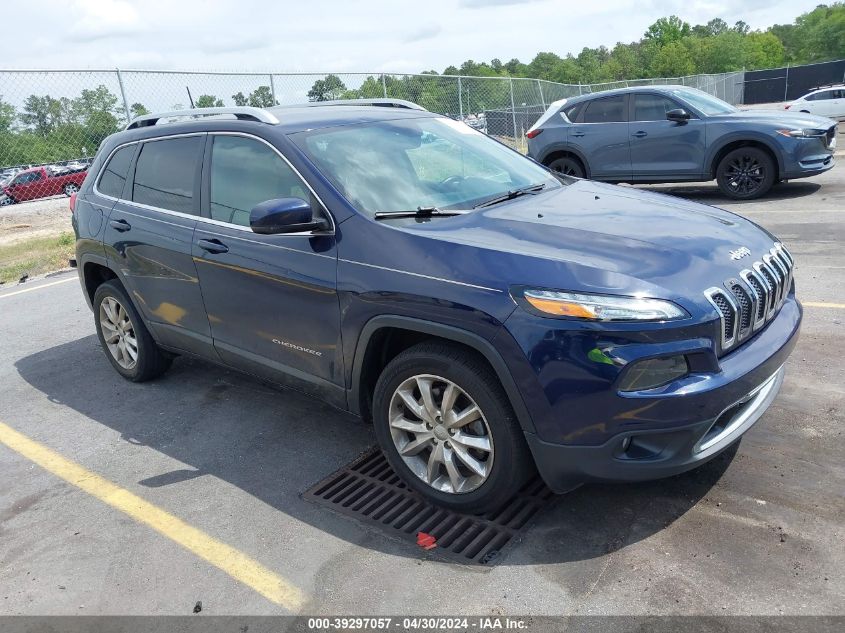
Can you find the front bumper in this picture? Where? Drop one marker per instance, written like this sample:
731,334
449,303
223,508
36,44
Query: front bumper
586,430
644,455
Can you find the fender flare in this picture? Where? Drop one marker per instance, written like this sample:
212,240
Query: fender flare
448,332
752,137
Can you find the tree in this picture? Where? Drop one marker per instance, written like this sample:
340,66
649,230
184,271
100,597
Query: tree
7,116
240,99
138,109
43,114
667,30
262,97
673,60
326,89
713,27
208,101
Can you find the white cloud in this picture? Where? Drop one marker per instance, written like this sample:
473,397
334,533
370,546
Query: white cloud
334,35
98,19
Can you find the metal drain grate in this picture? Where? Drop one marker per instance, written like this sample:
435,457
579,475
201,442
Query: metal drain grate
369,490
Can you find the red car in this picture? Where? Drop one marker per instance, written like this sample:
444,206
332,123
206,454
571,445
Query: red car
41,182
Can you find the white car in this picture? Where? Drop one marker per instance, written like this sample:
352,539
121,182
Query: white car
829,102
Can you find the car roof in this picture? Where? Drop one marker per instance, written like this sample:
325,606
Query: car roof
291,119
300,118
626,90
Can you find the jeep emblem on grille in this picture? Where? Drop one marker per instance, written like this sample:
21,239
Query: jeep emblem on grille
742,251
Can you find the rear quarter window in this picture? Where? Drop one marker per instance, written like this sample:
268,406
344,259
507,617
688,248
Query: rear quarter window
113,177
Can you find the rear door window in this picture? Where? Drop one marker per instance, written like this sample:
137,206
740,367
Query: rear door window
606,110
166,173
114,173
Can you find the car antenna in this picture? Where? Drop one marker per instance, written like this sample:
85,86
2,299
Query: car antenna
190,98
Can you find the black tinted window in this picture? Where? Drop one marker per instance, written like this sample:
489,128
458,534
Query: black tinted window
652,107
246,172
572,111
607,110
165,173
115,171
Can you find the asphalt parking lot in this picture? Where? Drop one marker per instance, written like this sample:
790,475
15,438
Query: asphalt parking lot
187,489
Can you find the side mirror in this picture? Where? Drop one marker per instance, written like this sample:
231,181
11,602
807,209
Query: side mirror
678,115
284,215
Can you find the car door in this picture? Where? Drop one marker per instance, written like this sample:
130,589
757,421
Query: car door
271,299
600,135
822,103
27,186
149,237
663,149
837,104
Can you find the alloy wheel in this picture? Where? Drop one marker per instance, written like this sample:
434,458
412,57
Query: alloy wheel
118,333
441,434
744,174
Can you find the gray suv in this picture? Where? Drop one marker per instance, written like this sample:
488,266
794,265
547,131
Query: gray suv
679,134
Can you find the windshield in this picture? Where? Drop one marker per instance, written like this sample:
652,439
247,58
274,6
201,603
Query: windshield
411,163
707,104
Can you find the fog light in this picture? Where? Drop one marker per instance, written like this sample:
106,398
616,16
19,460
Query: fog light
648,374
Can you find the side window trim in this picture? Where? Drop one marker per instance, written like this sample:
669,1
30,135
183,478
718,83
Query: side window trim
205,193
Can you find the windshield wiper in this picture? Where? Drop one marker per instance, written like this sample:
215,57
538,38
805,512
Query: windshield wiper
421,212
510,195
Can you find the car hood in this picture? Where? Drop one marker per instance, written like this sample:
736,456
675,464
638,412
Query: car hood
777,117
603,237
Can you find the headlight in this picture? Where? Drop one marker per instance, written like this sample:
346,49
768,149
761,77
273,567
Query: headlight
602,307
806,133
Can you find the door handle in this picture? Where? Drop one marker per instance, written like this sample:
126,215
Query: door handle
639,134
213,246
120,225
578,133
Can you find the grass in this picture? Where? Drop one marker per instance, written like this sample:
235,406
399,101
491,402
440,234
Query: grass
35,256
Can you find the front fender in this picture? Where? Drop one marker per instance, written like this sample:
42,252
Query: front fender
740,136
447,332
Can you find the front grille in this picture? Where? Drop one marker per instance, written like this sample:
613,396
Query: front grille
747,303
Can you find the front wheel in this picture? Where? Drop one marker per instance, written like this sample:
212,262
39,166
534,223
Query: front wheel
448,429
746,173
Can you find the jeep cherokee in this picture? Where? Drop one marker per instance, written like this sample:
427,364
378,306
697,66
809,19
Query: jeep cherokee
490,317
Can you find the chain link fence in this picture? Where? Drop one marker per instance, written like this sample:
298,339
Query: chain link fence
59,118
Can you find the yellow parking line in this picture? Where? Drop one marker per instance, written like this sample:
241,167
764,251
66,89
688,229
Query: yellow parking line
823,304
52,283
235,563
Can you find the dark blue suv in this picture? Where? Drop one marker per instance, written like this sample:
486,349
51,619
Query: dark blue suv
488,316
678,134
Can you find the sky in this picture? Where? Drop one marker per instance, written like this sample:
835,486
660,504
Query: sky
337,35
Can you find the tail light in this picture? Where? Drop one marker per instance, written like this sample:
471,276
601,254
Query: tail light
786,107
533,133
72,201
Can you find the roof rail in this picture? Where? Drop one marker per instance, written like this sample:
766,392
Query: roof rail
244,113
384,103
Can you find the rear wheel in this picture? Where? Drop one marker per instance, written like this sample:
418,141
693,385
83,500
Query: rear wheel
70,189
746,173
568,166
447,428
125,339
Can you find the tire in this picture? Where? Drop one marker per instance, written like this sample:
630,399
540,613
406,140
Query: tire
6,201
505,466
112,306
70,189
568,166
746,173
